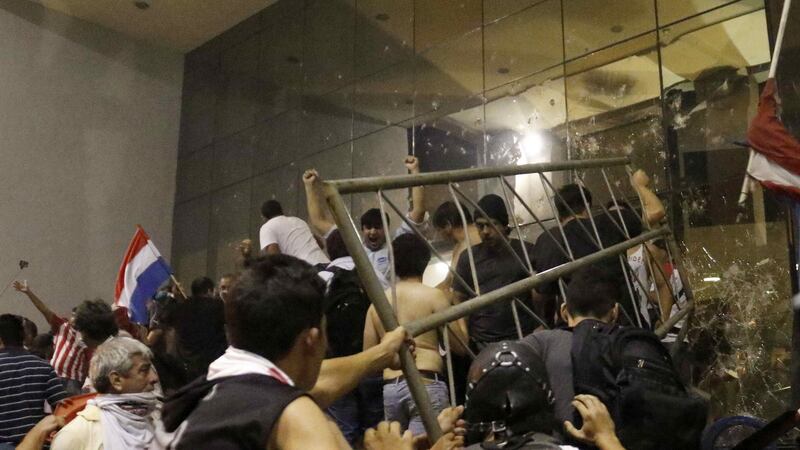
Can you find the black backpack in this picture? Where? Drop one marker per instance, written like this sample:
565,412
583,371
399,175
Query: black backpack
346,312
632,373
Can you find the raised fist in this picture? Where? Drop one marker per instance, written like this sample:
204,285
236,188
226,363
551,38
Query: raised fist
412,164
640,178
310,176
21,286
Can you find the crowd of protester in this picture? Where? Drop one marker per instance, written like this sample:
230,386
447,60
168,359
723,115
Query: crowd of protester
288,351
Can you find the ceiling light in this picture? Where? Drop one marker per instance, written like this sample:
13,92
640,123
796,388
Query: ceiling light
712,279
141,4
383,17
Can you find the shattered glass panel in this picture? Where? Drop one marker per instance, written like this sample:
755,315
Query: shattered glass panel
352,87
737,260
614,110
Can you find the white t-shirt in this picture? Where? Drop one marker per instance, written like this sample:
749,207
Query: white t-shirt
380,257
294,237
639,270
680,293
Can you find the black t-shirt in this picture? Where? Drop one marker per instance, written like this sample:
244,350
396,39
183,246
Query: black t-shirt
239,412
200,328
548,255
495,267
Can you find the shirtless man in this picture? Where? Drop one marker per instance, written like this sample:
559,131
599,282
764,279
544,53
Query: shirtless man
414,300
269,389
448,223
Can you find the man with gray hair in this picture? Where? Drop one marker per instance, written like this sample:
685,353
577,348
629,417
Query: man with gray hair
120,417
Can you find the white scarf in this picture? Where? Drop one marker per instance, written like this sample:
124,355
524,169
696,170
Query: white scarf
236,361
124,429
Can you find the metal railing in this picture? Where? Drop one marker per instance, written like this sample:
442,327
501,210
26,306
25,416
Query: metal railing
333,191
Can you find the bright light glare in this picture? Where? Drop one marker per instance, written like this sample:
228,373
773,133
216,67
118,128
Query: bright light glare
435,273
532,145
712,279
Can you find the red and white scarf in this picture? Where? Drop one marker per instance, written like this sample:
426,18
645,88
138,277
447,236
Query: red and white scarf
236,361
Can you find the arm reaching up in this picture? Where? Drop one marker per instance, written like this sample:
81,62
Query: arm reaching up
318,216
48,313
653,209
417,214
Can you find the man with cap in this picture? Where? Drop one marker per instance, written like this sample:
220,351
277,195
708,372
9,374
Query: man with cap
510,405
495,267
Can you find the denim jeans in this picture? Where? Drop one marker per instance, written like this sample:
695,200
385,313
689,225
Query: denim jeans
399,406
360,409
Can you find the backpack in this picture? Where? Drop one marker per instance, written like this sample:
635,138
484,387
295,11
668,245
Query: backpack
631,372
346,313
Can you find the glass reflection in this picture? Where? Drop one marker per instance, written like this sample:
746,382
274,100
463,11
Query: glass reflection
614,110
378,154
229,225
384,34
328,44
443,20
190,241
514,49
590,25
447,76
525,123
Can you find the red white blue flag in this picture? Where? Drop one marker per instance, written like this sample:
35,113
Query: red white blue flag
142,272
775,152
776,159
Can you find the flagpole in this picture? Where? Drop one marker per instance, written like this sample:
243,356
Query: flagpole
773,69
157,255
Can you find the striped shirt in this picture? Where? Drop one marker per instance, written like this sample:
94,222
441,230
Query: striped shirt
70,355
26,382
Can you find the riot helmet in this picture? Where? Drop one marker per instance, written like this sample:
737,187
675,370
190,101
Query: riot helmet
508,393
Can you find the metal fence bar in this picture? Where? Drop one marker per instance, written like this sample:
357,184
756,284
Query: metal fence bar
595,240
666,326
387,235
623,260
497,230
463,309
508,246
436,253
448,362
376,294
369,184
536,218
476,286
433,250
571,257
516,225
558,218
649,255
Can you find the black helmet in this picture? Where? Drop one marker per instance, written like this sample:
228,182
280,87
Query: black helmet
508,393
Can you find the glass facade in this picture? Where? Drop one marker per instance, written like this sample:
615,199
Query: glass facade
350,87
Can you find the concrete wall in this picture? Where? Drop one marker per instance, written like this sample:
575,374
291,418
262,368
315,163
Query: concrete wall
89,124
